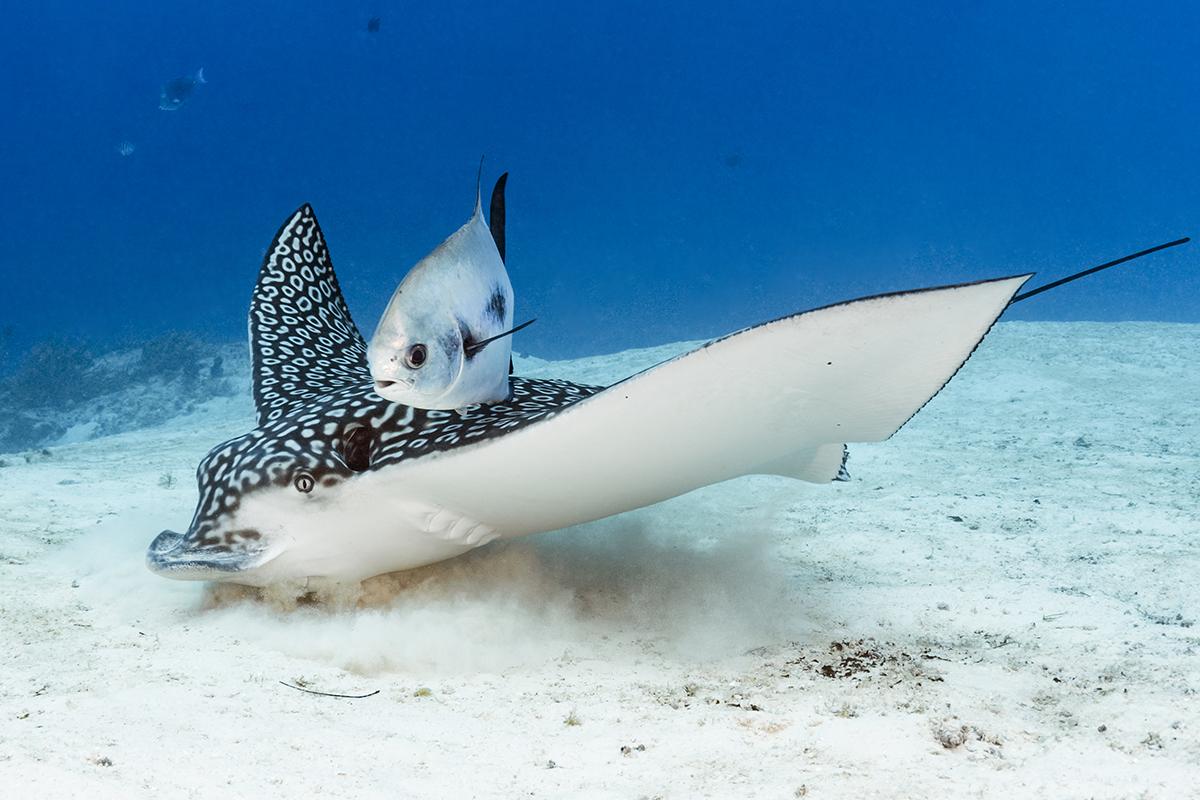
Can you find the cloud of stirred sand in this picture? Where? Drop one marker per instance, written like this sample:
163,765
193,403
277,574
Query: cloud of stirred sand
642,581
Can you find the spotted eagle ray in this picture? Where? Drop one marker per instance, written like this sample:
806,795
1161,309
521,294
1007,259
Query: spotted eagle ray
336,482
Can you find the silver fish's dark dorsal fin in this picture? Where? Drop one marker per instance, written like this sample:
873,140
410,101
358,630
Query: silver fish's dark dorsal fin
496,215
303,343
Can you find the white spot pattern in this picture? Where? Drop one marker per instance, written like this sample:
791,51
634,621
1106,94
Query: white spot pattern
303,341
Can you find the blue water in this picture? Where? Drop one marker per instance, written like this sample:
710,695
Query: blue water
677,170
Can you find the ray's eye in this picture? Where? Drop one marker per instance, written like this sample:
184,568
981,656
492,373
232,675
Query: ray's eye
304,482
416,355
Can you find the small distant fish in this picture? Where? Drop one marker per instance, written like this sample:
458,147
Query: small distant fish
733,160
373,25
178,91
126,148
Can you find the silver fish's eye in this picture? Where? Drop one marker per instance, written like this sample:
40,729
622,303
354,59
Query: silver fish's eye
416,355
304,482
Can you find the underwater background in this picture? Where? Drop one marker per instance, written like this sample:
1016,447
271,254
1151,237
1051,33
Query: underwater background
1003,600
678,170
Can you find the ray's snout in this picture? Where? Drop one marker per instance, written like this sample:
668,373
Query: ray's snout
165,542
165,552
173,555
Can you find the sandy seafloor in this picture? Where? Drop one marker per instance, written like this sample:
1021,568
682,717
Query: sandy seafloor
1004,602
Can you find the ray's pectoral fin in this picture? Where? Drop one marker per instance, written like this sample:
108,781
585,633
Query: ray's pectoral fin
303,342
778,398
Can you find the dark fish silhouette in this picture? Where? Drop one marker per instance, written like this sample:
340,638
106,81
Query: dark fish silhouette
178,91
373,25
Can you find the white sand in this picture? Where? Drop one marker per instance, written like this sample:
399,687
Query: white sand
1015,576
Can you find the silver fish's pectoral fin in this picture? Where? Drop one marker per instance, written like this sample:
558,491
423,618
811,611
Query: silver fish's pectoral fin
173,555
